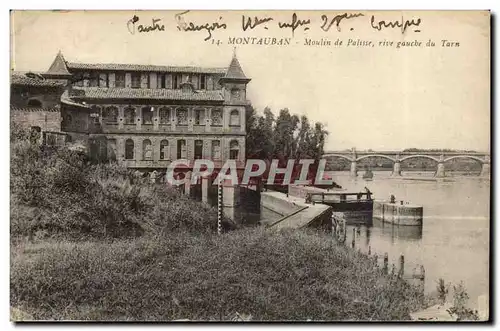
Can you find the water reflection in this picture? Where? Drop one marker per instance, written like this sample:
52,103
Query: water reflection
454,234
398,232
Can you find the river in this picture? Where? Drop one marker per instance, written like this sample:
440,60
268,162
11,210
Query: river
453,242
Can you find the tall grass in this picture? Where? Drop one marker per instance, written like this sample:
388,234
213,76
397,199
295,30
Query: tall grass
271,276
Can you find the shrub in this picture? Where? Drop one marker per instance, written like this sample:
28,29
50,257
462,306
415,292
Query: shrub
57,192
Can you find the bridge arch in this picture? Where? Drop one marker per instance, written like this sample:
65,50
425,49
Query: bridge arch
337,156
419,156
465,157
375,155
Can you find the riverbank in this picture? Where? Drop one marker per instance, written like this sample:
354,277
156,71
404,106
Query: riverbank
87,243
268,275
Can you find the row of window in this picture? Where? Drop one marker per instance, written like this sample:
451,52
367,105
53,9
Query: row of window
138,80
110,116
181,148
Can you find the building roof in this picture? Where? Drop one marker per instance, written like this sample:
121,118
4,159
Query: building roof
66,100
234,71
35,80
58,67
32,109
155,94
144,67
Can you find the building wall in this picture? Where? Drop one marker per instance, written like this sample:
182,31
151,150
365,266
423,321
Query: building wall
74,119
207,125
139,161
46,120
230,129
211,80
20,96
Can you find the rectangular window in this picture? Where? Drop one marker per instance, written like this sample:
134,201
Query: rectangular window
94,79
120,79
136,80
210,83
164,115
174,81
216,149
103,80
198,149
199,117
177,81
233,154
202,82
145,80
78,79
161,80
181,149
168,81
147,115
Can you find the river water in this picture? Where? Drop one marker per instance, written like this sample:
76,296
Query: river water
453,242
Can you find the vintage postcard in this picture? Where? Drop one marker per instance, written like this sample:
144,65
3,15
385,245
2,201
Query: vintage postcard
250,166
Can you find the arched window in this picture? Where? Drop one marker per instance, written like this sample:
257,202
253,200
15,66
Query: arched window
234,120
234,150
216,117
67,119
216,149
147,115
164,150
129,149
110,115
147,150
181,115
34,103
199,117
164,115
235,94
129,114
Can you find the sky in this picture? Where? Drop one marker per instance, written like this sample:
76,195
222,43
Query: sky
380,97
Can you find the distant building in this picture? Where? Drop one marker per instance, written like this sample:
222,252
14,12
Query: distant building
142,116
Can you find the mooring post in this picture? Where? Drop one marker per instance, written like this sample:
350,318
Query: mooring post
401,266
219,209
386,263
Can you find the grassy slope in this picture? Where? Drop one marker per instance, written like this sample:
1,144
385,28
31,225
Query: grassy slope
272,276
88,244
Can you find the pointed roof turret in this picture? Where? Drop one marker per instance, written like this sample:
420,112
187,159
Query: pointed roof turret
235,72
58,67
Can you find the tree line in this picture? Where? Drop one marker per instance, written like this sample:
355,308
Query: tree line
284,137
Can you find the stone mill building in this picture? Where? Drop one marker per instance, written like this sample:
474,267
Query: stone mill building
141,116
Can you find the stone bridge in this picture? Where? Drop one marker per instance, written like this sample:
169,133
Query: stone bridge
397,157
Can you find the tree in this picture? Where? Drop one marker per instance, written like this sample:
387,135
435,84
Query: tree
284,134
285,137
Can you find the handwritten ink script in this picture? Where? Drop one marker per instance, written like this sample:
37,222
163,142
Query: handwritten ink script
324,22
182,25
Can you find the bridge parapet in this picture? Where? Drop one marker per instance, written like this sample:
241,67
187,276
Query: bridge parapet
397,157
